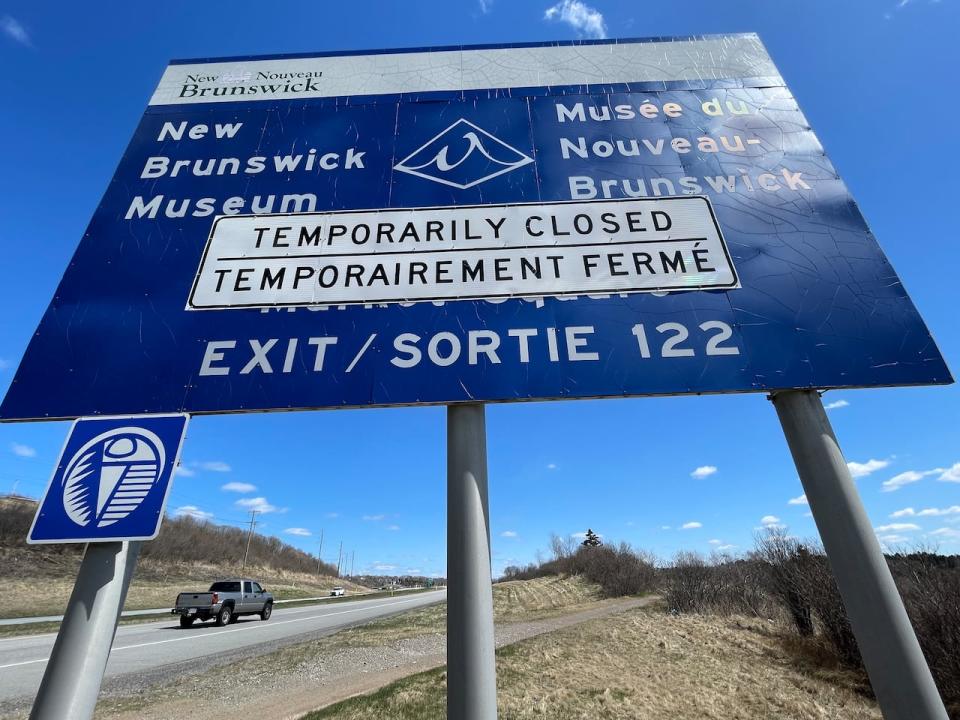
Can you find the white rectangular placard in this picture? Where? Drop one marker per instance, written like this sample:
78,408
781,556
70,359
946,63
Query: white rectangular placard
459,253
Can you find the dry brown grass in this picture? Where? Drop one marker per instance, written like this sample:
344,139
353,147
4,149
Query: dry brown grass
44,590
644,665
542,597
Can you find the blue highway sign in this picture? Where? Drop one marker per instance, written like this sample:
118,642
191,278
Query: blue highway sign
498,223
111,480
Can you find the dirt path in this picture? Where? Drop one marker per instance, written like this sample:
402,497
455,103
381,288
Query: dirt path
289,692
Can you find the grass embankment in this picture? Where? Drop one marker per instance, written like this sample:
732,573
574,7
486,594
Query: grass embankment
39,586
644,664
512,602
187,555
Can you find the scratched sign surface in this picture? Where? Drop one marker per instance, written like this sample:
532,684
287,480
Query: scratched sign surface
592,219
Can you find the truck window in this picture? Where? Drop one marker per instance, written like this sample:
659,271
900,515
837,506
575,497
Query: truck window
225,586
257,588
246,586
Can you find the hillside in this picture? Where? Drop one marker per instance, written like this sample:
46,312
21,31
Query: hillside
186,555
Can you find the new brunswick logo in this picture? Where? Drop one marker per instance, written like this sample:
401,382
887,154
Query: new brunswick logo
462,156
110,476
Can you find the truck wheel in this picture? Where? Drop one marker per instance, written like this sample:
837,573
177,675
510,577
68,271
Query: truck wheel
267,611
185,621
224,617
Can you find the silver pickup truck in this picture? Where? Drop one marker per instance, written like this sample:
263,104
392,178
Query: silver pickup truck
225,601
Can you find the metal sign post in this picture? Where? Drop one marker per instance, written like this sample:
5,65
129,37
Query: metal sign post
471,662
71,681
898,671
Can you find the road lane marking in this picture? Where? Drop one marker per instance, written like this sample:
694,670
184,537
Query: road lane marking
222,632
132,628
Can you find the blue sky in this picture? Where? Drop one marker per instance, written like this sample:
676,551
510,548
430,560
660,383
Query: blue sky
663,474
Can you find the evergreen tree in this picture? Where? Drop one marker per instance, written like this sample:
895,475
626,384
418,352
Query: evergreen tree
592,539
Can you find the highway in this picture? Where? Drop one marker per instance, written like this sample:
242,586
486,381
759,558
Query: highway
144,647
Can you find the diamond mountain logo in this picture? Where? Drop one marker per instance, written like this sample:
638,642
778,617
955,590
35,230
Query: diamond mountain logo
461,156
109,477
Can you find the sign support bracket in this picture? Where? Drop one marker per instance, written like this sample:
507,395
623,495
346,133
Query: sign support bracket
471,661
74,672
898,672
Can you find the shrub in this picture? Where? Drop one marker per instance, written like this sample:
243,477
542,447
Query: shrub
690,584
617,570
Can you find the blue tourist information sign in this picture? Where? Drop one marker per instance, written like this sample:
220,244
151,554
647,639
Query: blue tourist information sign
572,220
111,480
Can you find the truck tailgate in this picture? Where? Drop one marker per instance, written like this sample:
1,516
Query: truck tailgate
199,599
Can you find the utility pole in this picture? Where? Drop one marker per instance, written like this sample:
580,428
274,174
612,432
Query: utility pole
320,552
339,558
353,554
253,524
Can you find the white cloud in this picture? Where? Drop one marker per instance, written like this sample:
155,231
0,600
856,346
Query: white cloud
393,527
906,478
585,20
213,466
836,404
24,451
897,527
383,567
183,471
951,474
239,487
13,29
301,532
926,512
259,504
331,515
4,364
703,471
801,500
508,534
486,6
692,525
859,470
770,521
946,532
715,542
551,466
374,518
192,511
892,539
724,548
665,527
